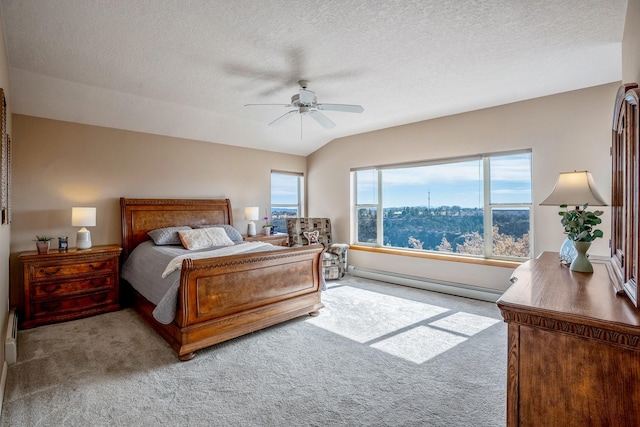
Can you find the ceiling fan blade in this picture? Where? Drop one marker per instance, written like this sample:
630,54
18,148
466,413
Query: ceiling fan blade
283,118
259,105
341,107
307,97
322,119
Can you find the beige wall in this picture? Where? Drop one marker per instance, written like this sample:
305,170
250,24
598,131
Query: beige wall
58,165
631,44
569,131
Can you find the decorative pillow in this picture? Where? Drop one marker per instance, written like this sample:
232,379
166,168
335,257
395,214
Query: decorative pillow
312,236
202,238
168,235
232,233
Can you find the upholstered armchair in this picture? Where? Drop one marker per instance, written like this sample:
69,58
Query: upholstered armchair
305,231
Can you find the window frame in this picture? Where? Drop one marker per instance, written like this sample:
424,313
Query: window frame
488,206
301,194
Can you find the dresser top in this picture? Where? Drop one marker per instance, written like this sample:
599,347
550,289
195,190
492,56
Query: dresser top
545,287
54,253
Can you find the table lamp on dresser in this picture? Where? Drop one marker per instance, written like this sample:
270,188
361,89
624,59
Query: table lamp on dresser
573,189
83,217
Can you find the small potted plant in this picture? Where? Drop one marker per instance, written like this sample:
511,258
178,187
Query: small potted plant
579,226
43,243
267,225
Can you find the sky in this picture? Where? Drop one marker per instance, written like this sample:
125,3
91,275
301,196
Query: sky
284,189
453,184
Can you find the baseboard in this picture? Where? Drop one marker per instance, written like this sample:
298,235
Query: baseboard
11,337
3,382
450,288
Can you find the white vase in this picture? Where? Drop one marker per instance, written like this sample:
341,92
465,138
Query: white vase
267,230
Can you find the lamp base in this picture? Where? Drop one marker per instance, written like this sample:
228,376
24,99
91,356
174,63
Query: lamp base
251,229
83,239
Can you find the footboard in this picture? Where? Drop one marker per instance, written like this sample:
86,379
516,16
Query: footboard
226,297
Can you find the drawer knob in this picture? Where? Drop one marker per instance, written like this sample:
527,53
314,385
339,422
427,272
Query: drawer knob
50,306
51,288
100,266
99,297
98,282
50,272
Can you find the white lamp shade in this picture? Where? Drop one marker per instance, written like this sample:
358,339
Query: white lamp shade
83,217
574,189
252,213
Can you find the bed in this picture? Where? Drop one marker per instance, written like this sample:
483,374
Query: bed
222,297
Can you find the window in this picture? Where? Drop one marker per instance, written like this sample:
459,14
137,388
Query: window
478,206
287,199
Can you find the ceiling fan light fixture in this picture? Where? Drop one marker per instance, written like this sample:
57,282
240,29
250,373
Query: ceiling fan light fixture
307,104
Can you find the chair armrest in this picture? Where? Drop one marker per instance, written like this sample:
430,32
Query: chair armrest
338,248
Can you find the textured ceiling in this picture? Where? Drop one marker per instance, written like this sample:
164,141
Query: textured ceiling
185,68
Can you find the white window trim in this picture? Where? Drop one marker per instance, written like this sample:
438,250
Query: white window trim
487,205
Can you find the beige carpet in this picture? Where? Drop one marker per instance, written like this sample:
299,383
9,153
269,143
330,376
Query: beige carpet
378,355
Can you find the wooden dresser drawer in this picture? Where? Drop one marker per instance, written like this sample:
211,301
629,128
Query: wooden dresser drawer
65,306
62,270
56,289
65,285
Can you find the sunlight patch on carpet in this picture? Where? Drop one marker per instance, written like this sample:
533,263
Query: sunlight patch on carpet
402,326
364,315
419,344
465,323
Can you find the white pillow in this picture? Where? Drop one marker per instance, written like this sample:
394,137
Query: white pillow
202,238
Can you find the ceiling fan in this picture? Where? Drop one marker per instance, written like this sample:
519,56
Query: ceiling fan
306,103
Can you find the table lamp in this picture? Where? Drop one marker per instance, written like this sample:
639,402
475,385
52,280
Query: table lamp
251,214
573,189
83,217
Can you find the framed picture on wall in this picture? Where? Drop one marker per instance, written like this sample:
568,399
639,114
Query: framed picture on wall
8,179
4,185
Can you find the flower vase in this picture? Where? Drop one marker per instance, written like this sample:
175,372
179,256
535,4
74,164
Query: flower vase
267,230
581,263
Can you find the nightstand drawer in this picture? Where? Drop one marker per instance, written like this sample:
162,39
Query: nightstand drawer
55,289
61,270
64,306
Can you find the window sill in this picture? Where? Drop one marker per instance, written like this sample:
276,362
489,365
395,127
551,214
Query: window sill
439,257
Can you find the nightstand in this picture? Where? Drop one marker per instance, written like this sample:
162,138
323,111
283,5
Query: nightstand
66,285
277,239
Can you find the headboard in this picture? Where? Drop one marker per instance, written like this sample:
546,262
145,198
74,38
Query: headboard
139,216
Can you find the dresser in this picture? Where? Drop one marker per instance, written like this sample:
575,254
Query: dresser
278,239
573,348
65,285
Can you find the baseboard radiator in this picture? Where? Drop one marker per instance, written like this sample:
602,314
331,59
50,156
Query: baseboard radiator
450,288
11,343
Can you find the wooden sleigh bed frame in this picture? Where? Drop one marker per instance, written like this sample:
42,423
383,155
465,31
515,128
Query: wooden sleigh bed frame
224,297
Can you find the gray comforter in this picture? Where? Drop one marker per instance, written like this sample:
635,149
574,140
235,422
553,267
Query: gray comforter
145,266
